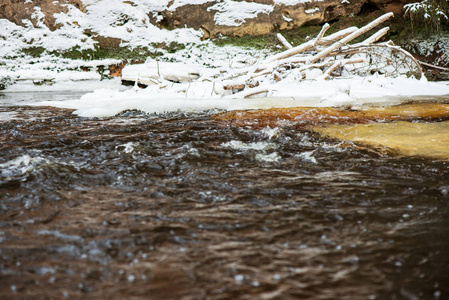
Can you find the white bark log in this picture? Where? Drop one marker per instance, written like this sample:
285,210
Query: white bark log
284,41
249,92
290,52
337,36
321,34
329,71
374,38
433,66
351,37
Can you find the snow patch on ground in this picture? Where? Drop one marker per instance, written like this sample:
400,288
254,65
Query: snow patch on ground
179,3
293,2
123,20
375,90
50,73
235,13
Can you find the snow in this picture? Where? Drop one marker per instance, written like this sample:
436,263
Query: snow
426,8
124,20
153,69
49,73
234,13
312,11
294,2
355,91
109,18
179,3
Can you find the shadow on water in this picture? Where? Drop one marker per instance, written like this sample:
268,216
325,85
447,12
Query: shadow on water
186,207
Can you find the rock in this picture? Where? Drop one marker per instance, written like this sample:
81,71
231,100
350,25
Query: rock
401,138
395,6
214,17
271,17
18,10
323,116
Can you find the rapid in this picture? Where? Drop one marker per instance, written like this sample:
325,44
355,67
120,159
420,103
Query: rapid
206,206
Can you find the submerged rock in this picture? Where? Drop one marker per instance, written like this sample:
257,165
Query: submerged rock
411,129
403,138
312,116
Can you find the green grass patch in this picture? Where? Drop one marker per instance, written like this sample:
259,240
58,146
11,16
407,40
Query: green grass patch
34,51
122,53
257,42
104,53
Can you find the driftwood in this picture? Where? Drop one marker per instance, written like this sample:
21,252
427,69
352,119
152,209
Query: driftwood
329,56
350,37
284,41
321,34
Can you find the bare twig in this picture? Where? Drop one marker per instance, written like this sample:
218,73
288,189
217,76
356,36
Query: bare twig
433,66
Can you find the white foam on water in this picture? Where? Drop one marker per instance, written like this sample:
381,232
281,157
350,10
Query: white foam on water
241,146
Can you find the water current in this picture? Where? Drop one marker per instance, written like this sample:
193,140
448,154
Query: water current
191,206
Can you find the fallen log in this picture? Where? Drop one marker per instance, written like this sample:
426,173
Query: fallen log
249,92
321,34
350,37
375,37
324,53
336,36
329,71
283,41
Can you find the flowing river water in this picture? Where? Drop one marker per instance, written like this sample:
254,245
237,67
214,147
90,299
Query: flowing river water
277,204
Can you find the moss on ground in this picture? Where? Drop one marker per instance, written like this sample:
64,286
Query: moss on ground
260,42
124,53
34,51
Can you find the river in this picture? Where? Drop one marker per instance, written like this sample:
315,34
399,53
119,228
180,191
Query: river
202,206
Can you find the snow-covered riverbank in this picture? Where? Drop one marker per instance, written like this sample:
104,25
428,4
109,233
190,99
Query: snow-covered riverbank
353,92
203,60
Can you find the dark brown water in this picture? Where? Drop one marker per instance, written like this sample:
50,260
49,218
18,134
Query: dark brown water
186,207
